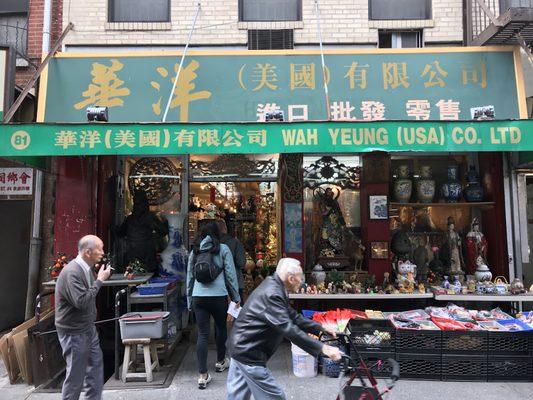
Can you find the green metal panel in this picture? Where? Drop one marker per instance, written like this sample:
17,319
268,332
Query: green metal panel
366,85
303,137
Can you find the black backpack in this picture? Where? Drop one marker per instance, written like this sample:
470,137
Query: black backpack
204,269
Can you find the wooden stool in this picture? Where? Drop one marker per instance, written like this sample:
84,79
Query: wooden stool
151,362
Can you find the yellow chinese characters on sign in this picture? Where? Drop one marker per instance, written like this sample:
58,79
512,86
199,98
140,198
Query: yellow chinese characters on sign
184,92
435,75
264,75
302,76
475,74
356,75
106,88
395,75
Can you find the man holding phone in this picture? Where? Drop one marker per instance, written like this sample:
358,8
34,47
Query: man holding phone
75,313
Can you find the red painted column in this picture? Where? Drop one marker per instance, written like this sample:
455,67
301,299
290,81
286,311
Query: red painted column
375,181
75,204
493,219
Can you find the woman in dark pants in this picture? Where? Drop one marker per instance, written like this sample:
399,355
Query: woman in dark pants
210,299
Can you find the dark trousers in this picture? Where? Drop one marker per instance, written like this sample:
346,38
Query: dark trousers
204,308
84,359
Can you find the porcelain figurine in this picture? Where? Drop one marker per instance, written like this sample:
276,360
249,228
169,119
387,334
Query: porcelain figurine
403,186
425,186
476,246
452,188
474,190
445,283
406,272
452,254
457,285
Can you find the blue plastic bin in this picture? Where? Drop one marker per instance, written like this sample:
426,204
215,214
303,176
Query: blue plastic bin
152,289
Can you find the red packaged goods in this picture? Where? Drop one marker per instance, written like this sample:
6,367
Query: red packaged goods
448,324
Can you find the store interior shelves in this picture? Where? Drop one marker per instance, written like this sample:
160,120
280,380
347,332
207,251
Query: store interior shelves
482,204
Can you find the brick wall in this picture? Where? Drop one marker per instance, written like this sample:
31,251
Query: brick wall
35,34
342,21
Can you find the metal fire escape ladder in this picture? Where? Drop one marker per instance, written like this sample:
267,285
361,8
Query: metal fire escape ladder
13,109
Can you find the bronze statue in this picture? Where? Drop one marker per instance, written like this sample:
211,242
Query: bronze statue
144,232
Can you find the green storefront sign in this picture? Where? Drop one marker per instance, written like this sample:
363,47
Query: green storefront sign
364,85
303,137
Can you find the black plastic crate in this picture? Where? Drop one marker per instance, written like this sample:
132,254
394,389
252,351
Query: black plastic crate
456,342
373,334
423,341
506,343
462,367
376,361
510,368
420,366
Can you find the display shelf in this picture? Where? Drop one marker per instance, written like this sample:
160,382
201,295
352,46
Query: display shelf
360,296
482,204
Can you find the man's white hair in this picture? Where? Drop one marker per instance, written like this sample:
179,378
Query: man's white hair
288,266
88,242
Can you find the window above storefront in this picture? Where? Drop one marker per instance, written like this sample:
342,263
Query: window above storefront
271,10
139,11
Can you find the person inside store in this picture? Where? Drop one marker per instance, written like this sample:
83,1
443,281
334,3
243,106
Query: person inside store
75,313
144,232
264,321
211,278
239,254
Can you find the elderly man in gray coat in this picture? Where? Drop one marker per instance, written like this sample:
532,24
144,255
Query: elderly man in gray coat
75,294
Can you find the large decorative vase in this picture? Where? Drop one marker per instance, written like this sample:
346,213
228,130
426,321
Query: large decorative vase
452,189
174,257
403,186
473,190
319,274
425,187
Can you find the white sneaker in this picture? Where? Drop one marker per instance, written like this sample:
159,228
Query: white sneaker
202,382
222,365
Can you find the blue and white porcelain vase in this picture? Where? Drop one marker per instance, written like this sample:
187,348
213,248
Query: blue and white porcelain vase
473,190
425,186
403,186
174,257
451,190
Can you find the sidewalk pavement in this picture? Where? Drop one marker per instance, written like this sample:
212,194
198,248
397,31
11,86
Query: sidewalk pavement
184,385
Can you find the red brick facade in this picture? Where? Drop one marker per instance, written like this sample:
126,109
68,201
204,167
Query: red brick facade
35,36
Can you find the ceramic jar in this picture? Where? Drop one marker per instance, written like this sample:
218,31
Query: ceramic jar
473,190
425,187
403,186
483,273
318,274
517,286
451,190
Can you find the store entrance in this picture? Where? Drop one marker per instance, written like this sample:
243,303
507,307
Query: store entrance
248,208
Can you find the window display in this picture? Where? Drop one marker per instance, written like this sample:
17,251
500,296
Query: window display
332,216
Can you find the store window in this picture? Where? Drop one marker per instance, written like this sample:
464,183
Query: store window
400,39
435,214
242,190
150,221
270,10
139,11
332,215
399,9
